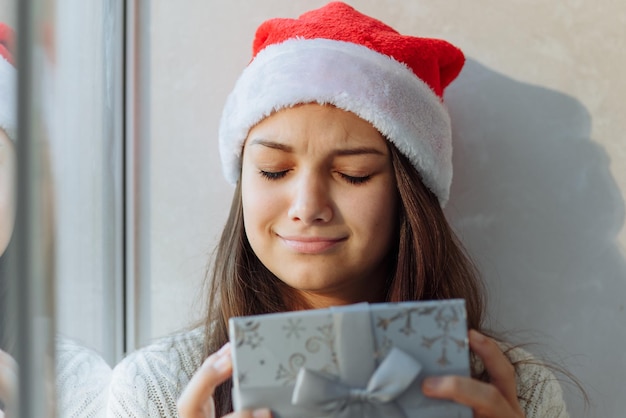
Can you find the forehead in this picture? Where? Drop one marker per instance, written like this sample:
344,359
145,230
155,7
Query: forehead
329,126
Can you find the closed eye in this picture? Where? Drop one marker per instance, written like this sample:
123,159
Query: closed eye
273,175
355,179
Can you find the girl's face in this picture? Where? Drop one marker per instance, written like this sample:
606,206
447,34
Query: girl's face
319,203
7,186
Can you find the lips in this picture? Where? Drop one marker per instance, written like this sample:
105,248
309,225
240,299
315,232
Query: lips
311,245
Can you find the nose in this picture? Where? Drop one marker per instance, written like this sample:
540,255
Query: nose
311,202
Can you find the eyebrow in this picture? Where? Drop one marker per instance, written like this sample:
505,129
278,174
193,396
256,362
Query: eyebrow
359,151
272,144
339,152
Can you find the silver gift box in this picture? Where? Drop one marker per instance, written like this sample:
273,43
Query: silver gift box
362,360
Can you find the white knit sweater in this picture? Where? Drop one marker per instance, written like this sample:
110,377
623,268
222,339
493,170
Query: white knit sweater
148,382
82,378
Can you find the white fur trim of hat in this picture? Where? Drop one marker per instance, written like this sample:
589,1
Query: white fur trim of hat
8,81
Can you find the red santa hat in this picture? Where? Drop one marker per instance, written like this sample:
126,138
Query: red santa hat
8,82
336,55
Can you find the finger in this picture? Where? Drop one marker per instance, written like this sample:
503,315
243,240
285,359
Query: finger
485,399
257,413
196,399
501,371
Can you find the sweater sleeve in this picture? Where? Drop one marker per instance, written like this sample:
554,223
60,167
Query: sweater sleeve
148,382
82,377
538,389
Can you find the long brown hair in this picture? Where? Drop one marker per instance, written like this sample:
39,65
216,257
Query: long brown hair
427,262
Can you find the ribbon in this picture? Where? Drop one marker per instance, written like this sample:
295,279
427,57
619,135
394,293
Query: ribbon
332,397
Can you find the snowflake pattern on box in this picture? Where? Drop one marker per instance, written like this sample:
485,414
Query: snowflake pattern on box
323,340
287,374
293,328
446,318
248,334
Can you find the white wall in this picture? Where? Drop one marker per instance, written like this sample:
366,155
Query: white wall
540,162
7,12
81,99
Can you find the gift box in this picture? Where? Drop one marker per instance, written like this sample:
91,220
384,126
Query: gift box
363,360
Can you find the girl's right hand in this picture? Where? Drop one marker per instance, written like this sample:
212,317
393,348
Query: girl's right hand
196,401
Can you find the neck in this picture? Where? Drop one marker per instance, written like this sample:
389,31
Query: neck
303,299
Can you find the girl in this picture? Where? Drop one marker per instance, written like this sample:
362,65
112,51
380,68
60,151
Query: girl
339,146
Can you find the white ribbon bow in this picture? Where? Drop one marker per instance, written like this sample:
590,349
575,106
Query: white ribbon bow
332,397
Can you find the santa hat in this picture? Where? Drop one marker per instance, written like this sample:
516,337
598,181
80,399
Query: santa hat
336,55
8,80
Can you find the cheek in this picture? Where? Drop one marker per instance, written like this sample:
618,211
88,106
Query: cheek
376,211
260,207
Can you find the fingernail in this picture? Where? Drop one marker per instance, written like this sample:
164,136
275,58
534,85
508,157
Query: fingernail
261,413
432,382
477,336
222,364
224,349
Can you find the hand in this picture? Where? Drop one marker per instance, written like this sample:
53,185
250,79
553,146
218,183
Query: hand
497,399
196,401
8,380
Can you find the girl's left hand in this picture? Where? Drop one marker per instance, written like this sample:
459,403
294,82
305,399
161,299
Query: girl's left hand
496,399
